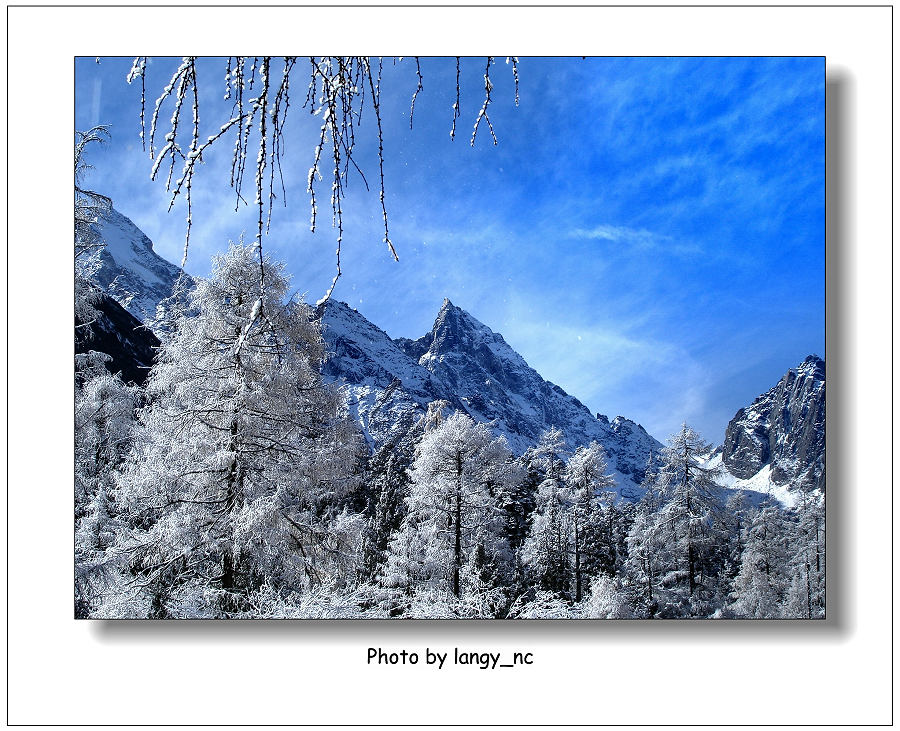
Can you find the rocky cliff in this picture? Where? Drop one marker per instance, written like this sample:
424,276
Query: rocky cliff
784,429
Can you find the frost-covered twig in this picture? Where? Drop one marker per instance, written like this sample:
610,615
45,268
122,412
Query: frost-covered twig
412,104
138,70
455,104
88,203
482,114
336,91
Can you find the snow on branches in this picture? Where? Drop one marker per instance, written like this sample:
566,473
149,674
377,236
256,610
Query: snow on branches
338,90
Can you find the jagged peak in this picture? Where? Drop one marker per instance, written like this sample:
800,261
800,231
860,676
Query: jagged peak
451,323
812,365
621,421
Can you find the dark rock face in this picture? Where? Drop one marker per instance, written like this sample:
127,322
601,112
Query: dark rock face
116,332
389,384
784,428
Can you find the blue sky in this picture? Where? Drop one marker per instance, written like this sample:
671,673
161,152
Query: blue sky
648,233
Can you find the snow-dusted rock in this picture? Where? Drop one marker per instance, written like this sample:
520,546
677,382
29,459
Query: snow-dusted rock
386,391
131,272
783,430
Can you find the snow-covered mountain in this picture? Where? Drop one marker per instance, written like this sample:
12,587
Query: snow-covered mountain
131,272
389,384
779,440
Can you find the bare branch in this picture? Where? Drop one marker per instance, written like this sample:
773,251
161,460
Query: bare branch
412,105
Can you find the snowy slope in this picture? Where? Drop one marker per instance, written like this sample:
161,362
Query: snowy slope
131,272
759,486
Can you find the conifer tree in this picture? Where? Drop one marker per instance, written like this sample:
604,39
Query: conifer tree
593,536
242,448
548,547
643,567
451,509
806,592
388,488
105,421
690,520
761,582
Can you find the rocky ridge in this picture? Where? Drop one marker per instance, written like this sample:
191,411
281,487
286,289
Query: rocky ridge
783,430
116,332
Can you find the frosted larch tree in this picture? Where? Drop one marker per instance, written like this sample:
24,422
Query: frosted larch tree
587,476
241,444
451,508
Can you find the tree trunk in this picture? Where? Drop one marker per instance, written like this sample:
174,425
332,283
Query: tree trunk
577,564
233,490
457,547
227,572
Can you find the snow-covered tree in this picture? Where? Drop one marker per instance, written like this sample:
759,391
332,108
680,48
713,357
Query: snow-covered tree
543,604
548,456
644,546
88,244
387,487
451,509
806,592
736,518
690,520
104,429
587,478
548,548
606,600
761,581
242,450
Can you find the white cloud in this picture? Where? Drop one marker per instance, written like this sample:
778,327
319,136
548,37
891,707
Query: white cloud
640,238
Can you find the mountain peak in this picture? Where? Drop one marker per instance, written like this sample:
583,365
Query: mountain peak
813,366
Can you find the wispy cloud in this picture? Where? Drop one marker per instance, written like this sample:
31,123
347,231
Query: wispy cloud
640,238
637,239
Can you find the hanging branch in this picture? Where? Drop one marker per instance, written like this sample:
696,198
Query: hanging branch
336,91
412,104
455,104
487,100
88,203
278,119
260,106
138,70
515,70
376,105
